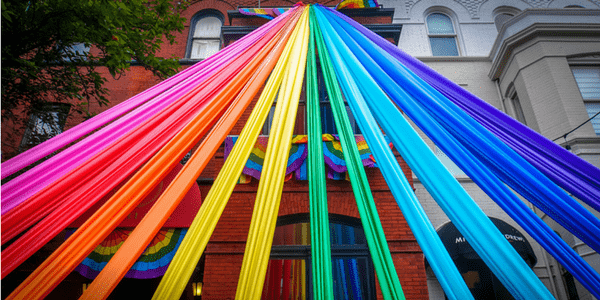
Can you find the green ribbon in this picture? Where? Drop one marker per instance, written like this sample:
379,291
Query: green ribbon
380,252
317,187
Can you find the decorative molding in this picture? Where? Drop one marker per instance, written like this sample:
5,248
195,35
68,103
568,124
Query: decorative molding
533,23
453,58
538,3
472,6
408,4
584,59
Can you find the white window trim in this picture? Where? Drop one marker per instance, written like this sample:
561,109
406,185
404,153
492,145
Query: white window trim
195,19
457,37
585,65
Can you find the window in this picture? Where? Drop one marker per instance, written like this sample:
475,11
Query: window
298,127
442,36
76,52
205,35
44,123
289,274
327,119
516,103
588,81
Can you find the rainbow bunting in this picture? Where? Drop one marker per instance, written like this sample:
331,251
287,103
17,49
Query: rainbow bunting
267,13
349,4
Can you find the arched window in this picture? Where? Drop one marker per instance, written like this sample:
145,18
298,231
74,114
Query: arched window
205,35
289,274
442,35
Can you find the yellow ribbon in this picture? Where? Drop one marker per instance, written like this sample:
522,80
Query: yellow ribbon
195,241
266,207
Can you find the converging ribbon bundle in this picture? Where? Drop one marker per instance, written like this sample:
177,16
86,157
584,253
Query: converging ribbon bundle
143,138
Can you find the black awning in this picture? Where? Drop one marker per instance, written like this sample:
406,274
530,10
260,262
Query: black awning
459,248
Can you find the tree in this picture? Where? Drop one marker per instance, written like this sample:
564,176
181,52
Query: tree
52,49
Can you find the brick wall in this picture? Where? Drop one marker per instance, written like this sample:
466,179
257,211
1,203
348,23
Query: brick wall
224,253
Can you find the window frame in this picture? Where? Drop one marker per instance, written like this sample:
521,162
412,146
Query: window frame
206,13
38,121
338,251
588,101
454,35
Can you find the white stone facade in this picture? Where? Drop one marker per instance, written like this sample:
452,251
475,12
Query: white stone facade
530,55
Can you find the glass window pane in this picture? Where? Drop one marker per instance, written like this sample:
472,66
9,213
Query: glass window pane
286,279
592,109
443,46
588,80
44,125
328,122
350,278
204,48
439,24
208,27
292,234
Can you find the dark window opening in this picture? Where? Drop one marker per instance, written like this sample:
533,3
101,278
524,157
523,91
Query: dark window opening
44,123
289,274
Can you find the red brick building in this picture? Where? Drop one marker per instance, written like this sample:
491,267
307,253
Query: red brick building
219,268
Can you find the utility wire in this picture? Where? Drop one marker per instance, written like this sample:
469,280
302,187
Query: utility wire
565,135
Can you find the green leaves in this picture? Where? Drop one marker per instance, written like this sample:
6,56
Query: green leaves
56,47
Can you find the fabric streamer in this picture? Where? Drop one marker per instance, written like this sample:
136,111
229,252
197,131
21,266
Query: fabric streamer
380,253
166,204
322,278
413,212
571,172
268,195
94,189
508,165
139,141
193,245
485,238
505,198
21,188
57,266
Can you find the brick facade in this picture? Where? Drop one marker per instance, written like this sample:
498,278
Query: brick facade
224,253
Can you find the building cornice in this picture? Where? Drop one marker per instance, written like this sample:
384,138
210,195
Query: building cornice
386,31
540,22
453,58
355,12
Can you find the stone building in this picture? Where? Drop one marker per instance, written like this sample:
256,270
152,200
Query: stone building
537,61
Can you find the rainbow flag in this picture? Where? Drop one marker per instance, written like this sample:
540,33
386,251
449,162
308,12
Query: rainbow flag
357,4
267,13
